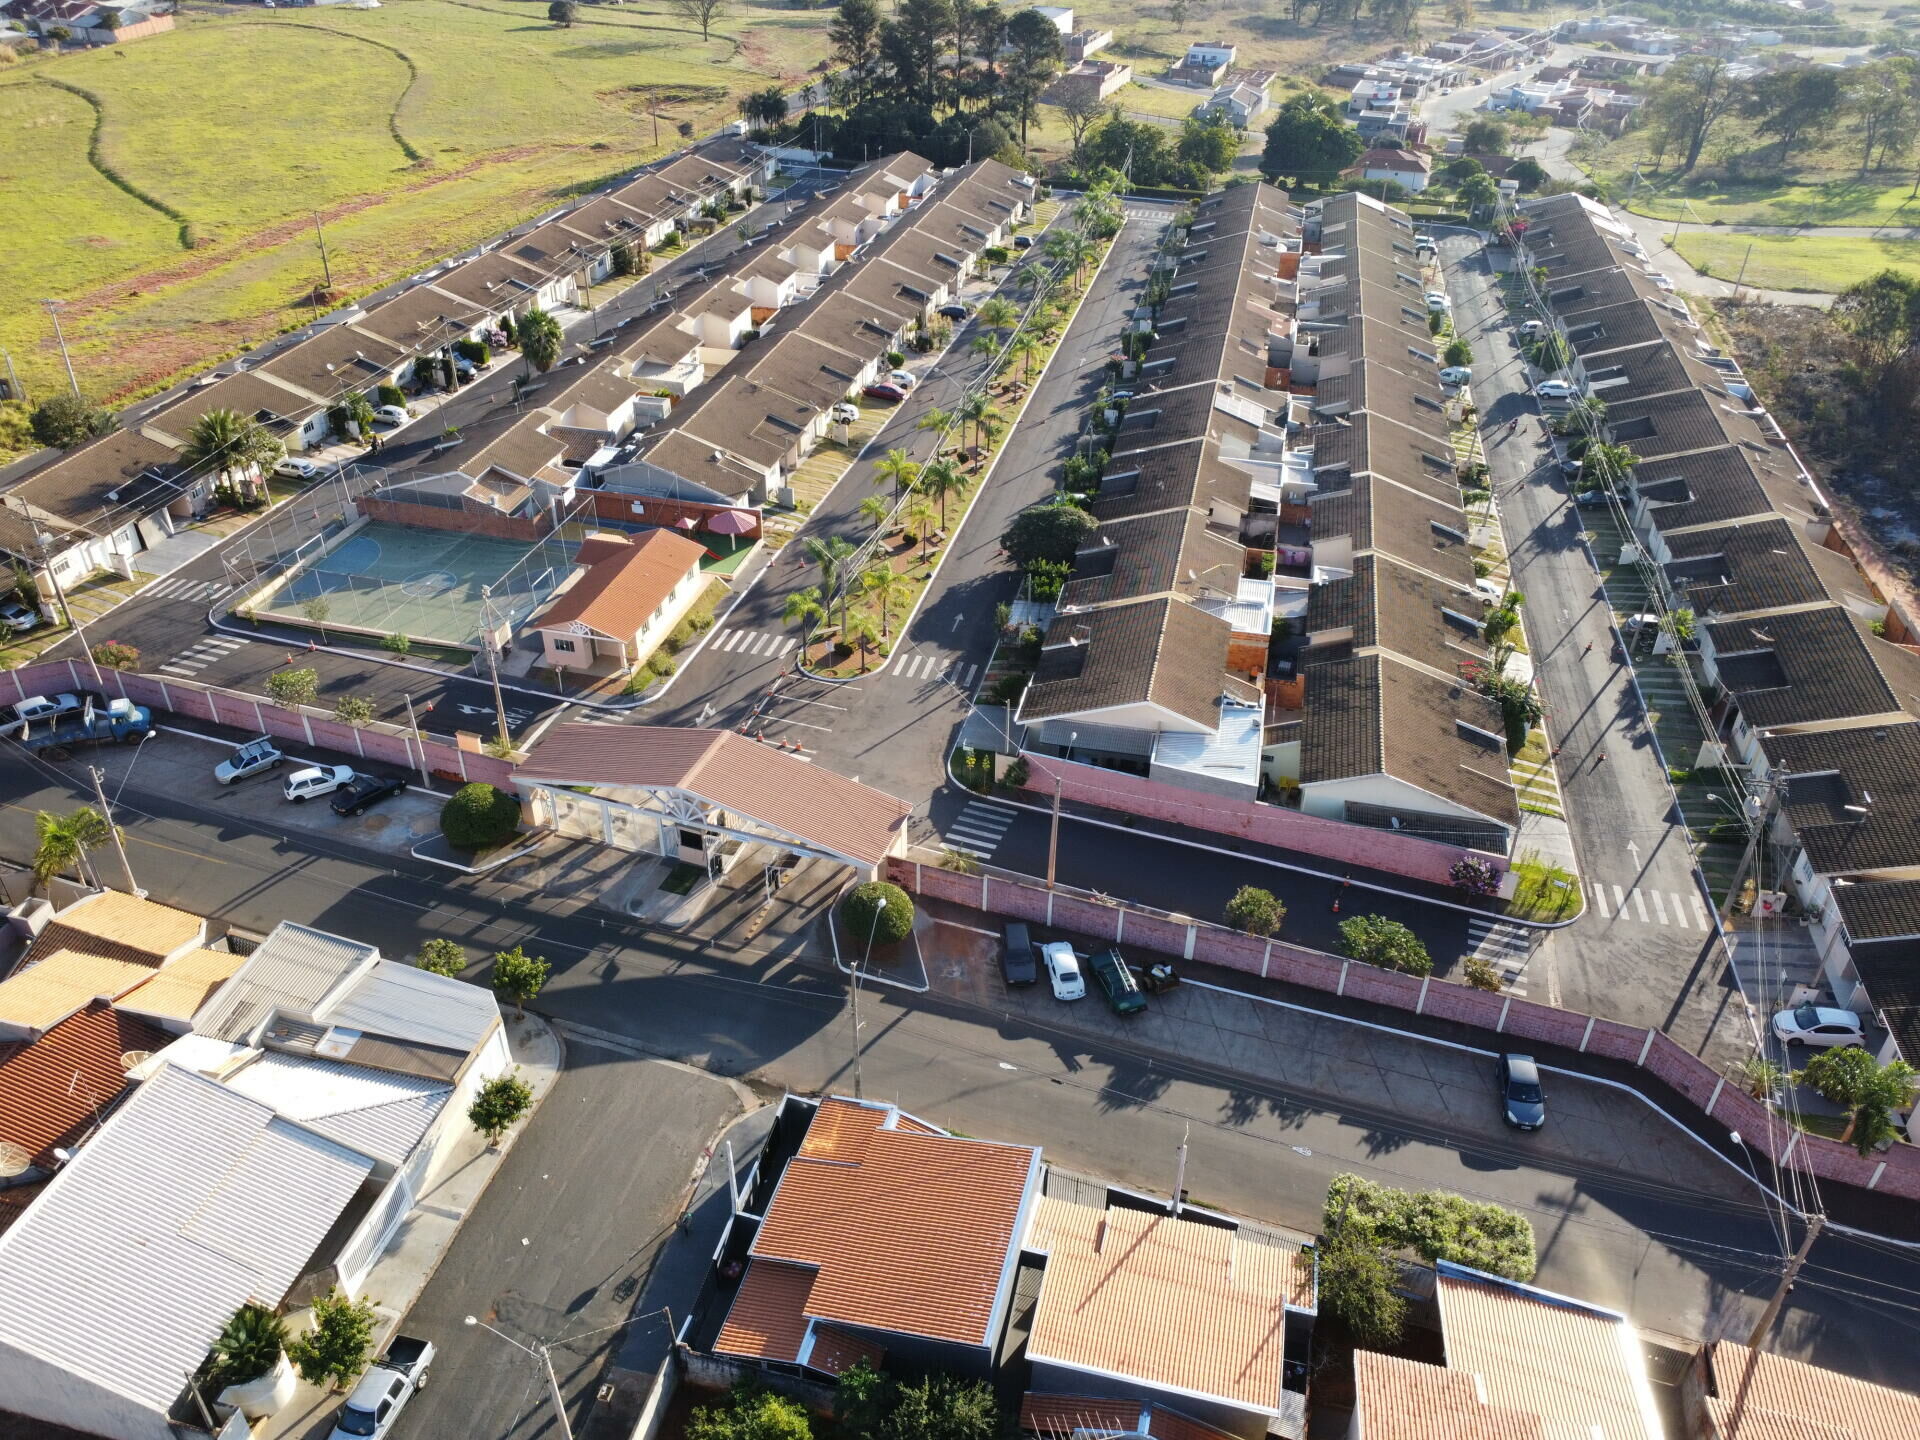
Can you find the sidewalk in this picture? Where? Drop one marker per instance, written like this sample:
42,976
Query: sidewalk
460,1174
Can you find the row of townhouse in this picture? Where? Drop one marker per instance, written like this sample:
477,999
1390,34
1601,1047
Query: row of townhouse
1280,597
1813,679
204,1123
104,502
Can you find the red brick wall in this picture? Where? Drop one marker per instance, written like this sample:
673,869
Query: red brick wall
616,507
527,528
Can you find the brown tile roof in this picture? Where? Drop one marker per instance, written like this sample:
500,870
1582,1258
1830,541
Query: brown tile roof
1396,1399
911,1233
1397,608
51,988
619,593
1728,570
750,779
1169,1303
1415,529
120,927
835,1351
768,1317
1801,667
1168,1424
1161,652
1804,1395
53,1088
178,990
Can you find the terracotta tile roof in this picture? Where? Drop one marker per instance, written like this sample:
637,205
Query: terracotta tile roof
622,588
50,989
120,927
1064,1414
752,780
1578,1367
1397,1399
767,1320
1801,1397
178,990
1218,1301
835,1352
53,1088
911,1233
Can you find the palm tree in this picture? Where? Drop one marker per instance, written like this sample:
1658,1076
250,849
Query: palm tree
540,340
860,635
991,424
886,585
1025,347
831,554
975,409
63,842
764,109
985,344
999,313
919,518
899,467
936,420
875,509
802,608
227,442
939,480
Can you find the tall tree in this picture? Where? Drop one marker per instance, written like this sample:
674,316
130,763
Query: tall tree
1881,103
1867,1090
1033,61
1208,141
699,12
886,585
62,843
1690,99
1785,104
855,37
1309,142
231,444
911,47
1082,110
540,340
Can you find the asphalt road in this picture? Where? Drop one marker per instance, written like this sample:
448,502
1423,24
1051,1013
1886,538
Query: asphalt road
1619,960
1681,1263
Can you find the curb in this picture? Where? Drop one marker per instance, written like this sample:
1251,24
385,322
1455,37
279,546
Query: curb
493,864
863,973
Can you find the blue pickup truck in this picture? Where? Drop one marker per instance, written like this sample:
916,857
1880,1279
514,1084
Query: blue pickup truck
120,720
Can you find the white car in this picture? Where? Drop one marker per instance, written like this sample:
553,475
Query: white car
1491,592
905,379
1424,241
1456,375
1531,328
1556,390
1819,1025
18,617
46,707
391,415
846,413
303,785
1437,301
294,468
1063,971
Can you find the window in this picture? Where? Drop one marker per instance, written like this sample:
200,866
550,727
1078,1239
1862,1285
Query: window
565,647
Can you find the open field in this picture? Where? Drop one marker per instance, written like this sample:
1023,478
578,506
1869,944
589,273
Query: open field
1797,262
414,130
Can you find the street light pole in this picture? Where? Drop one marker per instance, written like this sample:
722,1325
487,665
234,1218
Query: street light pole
53,313
106,813
493,664
545,1357
872,930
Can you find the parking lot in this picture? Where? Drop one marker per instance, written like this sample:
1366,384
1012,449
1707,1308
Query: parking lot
181,766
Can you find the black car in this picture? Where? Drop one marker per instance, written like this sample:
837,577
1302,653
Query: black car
1016,956
363,791
1023,242
1522,1102
956,310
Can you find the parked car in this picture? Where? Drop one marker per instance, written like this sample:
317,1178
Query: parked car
1437,301
1522,1102
1634,624
1818,1025
48,707
905,379
882,390
364,792
956,310
1556,390
1456,375
1424,241
1591,498
294,468
314,780
1016,955
1491,592
18,617
846,413
1117,982
391,415
384,1390
249,759
1023,242
1531,328
1063,971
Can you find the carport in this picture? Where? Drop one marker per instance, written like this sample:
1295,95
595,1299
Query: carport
682,794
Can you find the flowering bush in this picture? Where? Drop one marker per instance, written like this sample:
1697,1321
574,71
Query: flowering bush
1475,876
116,655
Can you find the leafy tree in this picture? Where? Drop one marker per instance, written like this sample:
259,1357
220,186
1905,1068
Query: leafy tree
1478,192
478,814
1484,137
248,1346
540,340
1436,1225
561,13
1881,317
441,956
355,710
1255,911
1460,167
336,1349
886,585
1869,1091
499,1104
1082,110
1047,532
1357,1281
1308,141
61,843
1376,940
866,917
317,610
942,1407
621,258
1458,352
64,421
231,444
750,1413
1035,60
519,976
1787,103
1208,141
1694,94
1882,106
699,12
855,37
291,688
1112,142
1528,173
1480,974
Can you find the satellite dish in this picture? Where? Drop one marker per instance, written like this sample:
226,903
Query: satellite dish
13,1159
131,1059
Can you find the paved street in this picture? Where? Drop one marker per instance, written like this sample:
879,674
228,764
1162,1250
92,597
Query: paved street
1636,862
1680,1260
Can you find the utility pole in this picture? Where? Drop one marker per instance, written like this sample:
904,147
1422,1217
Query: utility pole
854,991
1053,836
120,848
1775,779
1180,1171
493,663
53,313
417,739
1815,1223
553,1389
1743,270
326,269
15,390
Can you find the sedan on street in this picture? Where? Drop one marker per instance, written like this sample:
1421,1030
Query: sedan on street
884,390
1522,1102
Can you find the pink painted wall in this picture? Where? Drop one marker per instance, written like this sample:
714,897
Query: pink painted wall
1338,842
1508,1019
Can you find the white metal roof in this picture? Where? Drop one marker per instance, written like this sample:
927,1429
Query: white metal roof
407,1003
293,971
378,1113
190,1201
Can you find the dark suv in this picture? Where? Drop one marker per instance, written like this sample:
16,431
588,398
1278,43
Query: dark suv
1117,983
1016,956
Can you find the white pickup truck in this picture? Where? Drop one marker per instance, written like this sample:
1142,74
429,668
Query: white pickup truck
384,1390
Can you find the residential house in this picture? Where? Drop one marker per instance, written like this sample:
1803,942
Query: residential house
1412,170
627,596
1734,1393
337,362
1085,44
1090,80
1241,104
1061,17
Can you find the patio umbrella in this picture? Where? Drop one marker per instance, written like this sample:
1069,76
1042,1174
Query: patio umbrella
685,522
730,522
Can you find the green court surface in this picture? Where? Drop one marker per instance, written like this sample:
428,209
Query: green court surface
426,584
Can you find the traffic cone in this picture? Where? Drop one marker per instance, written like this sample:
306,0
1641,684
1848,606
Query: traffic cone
1336,907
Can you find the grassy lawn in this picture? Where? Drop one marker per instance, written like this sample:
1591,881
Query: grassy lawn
1797,262
1543,891
414,130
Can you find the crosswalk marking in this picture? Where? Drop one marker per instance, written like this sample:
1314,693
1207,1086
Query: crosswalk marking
978,829
1640,904
198,656
1503,946
1670,907
929,665
1600,899
194,591
1700,913
754,642
1659,906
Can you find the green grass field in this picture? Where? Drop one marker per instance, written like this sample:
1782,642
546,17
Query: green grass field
1797,262
415,130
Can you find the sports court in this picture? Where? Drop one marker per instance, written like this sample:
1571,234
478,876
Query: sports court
388,579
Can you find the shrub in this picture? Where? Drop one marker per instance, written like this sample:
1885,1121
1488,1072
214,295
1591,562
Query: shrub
1047,532
896,359
289,688
116,655
1459,352
1007,690
1357,1284
354,710
1015,775
479,814
474,350
399,644
499,1103
1437,1225
1480,974
335,1350
1255,911
1376,940
867,921
997,254
441,956
750,1413
1475,875
63,421
248,1347
390,395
